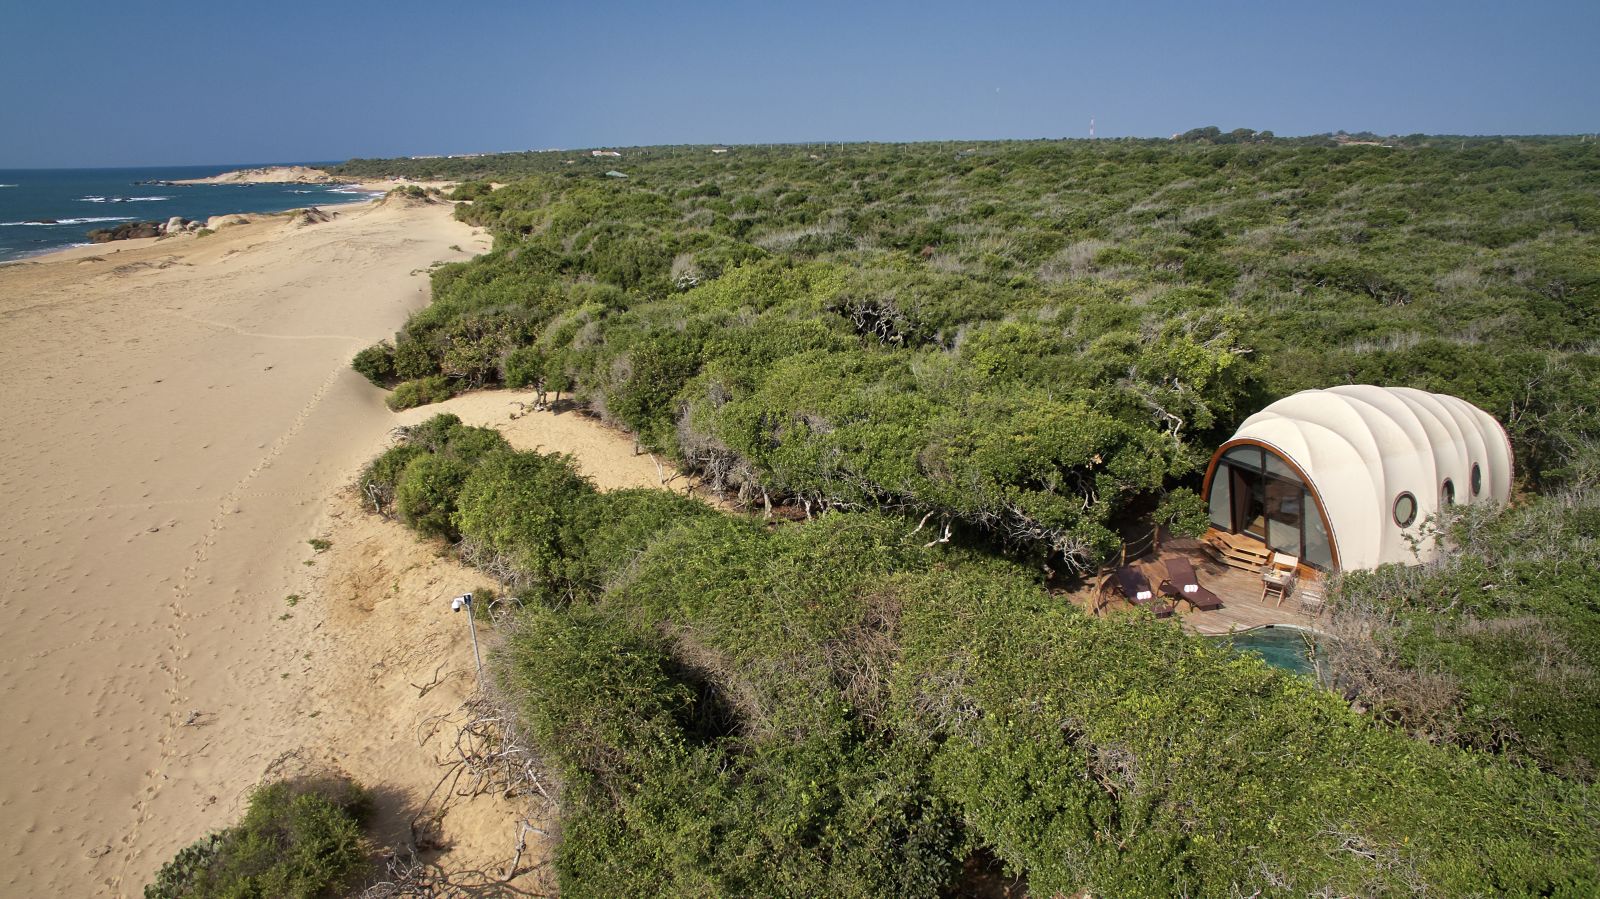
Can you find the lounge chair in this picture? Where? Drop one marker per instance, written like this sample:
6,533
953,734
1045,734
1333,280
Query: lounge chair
1182,584
1136,589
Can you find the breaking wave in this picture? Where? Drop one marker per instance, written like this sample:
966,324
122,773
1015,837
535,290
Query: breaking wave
81,221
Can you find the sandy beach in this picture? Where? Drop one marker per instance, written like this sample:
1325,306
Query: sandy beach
182,419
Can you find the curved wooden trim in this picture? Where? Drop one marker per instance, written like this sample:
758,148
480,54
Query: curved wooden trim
1311,487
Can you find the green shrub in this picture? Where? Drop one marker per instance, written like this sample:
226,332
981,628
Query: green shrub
621,527
299,839
433,389
1184,512
433,434
471,190
376,364
527,509
427,492
1075,760
382,475
412,359
523,367
444,433
425,473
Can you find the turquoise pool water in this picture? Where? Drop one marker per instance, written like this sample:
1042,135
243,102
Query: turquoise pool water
1281,647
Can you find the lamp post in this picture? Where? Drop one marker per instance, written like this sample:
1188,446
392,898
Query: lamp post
464,601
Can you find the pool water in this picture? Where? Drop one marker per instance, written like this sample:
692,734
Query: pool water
1282,647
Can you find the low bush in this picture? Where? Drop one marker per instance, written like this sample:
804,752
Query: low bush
525,511
413,359
376,364
1493,644
530,519
471,190
382,475
439,455
427,492
422,392
298,839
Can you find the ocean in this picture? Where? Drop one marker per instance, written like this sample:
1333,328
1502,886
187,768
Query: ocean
81,200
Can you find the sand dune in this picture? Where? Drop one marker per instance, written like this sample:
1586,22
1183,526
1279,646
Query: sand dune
179,413
275,174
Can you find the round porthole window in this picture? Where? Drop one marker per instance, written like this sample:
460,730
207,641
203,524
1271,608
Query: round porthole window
1405,509
1447,493
1477,480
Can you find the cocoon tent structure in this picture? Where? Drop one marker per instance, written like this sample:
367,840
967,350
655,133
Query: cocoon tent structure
1344,478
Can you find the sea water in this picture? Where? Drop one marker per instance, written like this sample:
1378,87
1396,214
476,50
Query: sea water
81,200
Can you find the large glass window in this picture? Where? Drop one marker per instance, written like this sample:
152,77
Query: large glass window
1319,551
1255,492
1221,499
1284,502
1279,468
1248,457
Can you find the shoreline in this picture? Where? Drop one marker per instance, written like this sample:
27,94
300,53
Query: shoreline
49,255
165,483
373,192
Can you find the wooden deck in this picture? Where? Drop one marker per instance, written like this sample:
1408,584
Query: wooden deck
1240,592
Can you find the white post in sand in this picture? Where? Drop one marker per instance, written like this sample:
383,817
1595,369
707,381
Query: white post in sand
464,601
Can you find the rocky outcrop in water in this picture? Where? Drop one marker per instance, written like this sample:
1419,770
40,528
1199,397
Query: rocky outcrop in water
130,230
126,231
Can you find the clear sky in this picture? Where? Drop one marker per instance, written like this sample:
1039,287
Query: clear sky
176,82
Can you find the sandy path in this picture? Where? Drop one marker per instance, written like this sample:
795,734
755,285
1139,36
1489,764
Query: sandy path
178,413
604,454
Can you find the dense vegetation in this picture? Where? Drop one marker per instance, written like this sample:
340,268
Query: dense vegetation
1034,345
1494,646
1035,339
835,708
299,839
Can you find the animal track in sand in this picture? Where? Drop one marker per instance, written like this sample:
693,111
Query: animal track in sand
223,326
175,651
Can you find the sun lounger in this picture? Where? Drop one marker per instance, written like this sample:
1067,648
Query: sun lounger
1136,589
1182,583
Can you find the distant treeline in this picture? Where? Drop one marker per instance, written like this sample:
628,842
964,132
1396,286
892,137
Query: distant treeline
934,350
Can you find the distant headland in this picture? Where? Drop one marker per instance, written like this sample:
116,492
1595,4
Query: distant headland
277,174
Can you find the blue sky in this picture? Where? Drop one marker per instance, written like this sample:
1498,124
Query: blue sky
175,82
